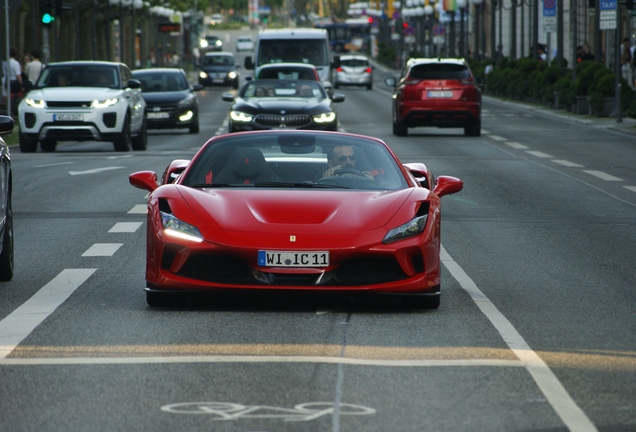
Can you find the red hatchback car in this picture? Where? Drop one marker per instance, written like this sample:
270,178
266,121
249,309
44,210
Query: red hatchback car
436,92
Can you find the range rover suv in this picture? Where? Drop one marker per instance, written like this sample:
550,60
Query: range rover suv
83,101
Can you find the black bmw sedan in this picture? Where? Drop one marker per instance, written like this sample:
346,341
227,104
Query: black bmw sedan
171,102
282,104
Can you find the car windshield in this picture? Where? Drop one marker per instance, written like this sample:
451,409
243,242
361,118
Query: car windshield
295,160
311,51
354,62
152,82
217,60
79,76
287,72
283,88
439,71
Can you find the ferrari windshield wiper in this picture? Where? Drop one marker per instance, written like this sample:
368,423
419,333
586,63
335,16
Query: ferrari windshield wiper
305,184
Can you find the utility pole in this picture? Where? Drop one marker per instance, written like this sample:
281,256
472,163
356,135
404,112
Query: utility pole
560,34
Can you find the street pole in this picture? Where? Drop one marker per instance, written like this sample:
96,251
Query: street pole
560,34
8,54
513,30
617,66
493,29
535,30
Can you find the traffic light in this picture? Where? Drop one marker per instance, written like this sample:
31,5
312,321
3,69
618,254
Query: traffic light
47,13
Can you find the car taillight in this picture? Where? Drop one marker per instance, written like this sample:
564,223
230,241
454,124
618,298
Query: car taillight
367,70
468,81
339,69
411,82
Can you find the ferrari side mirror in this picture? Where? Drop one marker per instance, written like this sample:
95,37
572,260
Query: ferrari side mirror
447,185
146,180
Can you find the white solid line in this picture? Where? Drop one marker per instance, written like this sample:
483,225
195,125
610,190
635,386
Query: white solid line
567,163
102,249
516,145
22,321
497,137
539,154
94,171
631,188
125,227
602,175
255,359
139,209
569,412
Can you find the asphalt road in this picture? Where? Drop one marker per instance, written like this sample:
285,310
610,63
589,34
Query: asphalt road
536,331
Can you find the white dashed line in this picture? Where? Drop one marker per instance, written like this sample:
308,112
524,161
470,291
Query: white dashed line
602,175
139,209
497,138
94,171
102,249
125,227
516,145
539,154
567,163
485,132
54,164
22,321
572,416
631,188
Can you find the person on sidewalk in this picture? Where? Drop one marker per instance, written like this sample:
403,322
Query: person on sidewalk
626,62
35,67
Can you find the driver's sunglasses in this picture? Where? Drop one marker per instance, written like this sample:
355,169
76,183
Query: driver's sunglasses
344,158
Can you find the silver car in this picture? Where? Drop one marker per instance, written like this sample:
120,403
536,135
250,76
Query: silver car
354,70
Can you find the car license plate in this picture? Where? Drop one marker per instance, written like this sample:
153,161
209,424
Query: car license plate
157,115
293,259
217,80
440,94
68,117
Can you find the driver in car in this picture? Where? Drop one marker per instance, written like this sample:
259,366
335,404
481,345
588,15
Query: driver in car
342,157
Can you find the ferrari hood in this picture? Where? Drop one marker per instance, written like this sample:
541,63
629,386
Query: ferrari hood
252,210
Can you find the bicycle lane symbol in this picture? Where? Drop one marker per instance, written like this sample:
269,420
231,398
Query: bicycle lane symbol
226,411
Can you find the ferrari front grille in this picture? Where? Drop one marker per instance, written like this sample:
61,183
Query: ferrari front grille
275,120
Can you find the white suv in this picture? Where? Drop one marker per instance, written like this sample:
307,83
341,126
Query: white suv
83,101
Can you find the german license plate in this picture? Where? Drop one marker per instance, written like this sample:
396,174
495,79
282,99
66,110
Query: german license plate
157,115
440,94
293,259
68,117
217,80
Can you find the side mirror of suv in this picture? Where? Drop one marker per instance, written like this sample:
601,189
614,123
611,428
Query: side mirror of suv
391,82
134,84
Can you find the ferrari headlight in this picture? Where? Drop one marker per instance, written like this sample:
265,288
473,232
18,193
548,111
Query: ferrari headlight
176,228
325,117
239,116
203,75
231,75
104,103
411,228
35,103
187,101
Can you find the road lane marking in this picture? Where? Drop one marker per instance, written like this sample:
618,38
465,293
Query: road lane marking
54,164
631,188
102,249
22,321
516,145
61,361
125,227
567,163
485,132
602,175
497,138
119,157
94,171
139,209
539,154
556,395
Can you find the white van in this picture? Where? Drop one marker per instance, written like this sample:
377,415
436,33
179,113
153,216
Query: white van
294,46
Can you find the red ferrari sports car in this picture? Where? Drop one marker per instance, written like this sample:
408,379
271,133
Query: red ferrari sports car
294,210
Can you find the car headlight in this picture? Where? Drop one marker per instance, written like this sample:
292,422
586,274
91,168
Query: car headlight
188,101
104,103
179,229
325,117
35,103
203,75
231,75
203,43
239,116
411,228
218,42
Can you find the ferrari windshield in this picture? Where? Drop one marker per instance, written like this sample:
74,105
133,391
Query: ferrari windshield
285,159
283,88
82,75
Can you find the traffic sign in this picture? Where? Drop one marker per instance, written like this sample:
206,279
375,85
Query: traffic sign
438,30
549,8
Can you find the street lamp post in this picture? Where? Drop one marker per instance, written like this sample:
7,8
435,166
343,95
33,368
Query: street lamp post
478,47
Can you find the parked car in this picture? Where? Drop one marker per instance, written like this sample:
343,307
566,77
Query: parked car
244,43
219,69
83,101
436,92
277,104
216,19
171,102
302,71
6,209
256,211
354,70
211,43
